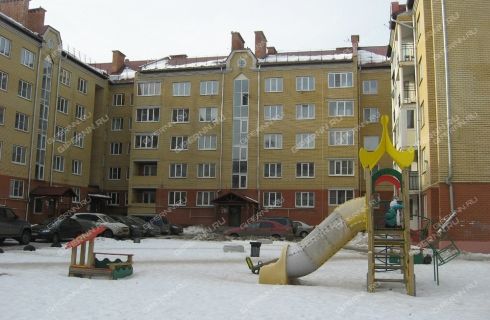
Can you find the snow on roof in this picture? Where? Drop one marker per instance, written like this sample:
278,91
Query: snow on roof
126,74
366,57
305,57
95,69
183,63
20,25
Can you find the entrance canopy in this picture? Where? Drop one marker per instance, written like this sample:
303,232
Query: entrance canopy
232,198
53,192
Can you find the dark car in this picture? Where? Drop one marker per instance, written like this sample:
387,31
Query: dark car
57,229
261,228
149,230
134,228
176,229
13,227
157,221
285,221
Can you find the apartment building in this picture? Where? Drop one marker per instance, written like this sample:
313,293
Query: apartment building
199,139
48,99
451,109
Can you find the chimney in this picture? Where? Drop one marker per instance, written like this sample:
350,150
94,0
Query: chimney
397,8
355,43
35,19
271,50
260,45
15,9
237,42
118,59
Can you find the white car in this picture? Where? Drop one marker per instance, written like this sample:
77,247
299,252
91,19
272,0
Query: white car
302,229
114,228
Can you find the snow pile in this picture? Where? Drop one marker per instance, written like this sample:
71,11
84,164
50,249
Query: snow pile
195,230
127,74
289,57
366,57
166,63
360,242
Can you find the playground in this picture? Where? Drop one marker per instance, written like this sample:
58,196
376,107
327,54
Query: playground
189,279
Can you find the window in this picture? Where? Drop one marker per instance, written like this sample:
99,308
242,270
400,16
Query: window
116,148
148,196
339,196
370,87
82,85
77,197
145,141
2,116
59,163
420,71
178,170
25,90
422,115
273,113
114,173
273,141
149,170
371,115
78,139
117,124
425,160
180,115
177,198
126,200
341,137
410,119
207,142
27,58
305,170
204,198
1,149
272,200
305,199
114,200
21,122
80,112
62,105
209,88
148,114
305,111
17,189
305,84
273,85
149,88
181,89
76,167
340,80
60,134
208,114
5,46
371,142
4,79
341,108
272,170
19,154
65,77
305,141
206,170
341,167
178,143
118,99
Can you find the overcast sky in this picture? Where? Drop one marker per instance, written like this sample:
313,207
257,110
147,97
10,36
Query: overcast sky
150,29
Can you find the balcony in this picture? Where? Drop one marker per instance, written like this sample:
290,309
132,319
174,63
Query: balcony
414,181
408,52
409,96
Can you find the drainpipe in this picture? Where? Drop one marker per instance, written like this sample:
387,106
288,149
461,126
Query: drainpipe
221,130
448,107
258,136
33,135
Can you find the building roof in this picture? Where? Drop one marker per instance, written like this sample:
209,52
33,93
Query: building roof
53,192
18,26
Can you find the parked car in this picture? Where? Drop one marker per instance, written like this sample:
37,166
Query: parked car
114,228
282,220
134,228
261,228
150,230
157,221
12,226
176,229
302,229
57,229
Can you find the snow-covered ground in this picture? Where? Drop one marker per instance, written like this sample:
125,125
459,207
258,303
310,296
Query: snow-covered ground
188,279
